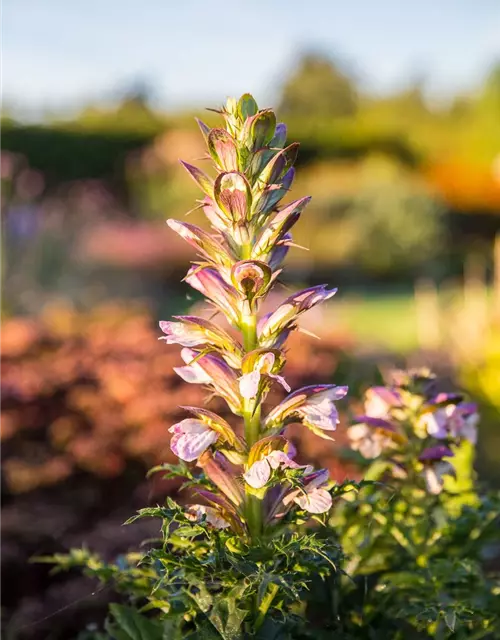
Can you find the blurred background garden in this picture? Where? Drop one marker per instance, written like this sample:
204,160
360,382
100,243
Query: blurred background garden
397,109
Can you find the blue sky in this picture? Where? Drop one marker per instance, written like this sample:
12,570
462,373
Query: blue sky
61,54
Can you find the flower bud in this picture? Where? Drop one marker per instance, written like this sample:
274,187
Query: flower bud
275,229
272,194
247,107
220,475
222,148
279,139
233,195
286,315
251,278
259,130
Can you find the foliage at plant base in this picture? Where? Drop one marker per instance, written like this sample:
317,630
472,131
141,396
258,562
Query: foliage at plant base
267,547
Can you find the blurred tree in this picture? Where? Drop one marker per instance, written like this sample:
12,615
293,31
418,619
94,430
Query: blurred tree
396,224
318,88
489,99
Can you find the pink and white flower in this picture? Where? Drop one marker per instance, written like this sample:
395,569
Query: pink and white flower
435,467
314,406
379,401
213,286
286,315
191,438
259,474
196,513
214,371
371,436
192,331
452,421
313,498
249,382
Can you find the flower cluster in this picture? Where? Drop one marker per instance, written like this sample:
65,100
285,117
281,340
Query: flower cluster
408,423
255,474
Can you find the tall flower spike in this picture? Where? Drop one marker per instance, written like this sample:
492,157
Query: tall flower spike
240,261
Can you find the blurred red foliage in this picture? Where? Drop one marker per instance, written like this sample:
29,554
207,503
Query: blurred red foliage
87,401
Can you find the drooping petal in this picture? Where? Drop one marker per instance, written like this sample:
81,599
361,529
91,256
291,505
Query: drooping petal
281,380
258,474
316,501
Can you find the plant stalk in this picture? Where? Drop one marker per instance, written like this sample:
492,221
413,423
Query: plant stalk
251,416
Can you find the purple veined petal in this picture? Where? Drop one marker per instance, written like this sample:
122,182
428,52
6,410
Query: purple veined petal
214,370
316,501
190,446
180,333
278,458
436,423
332,393
212,285
218,471
316,479
204,242
193,374
322,414
278,226
189,425
258,475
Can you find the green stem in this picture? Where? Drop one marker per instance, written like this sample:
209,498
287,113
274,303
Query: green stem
251,416
265,604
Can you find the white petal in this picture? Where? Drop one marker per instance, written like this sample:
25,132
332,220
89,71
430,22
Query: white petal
193,374
190,446
249,384
433,481
258,475
277,458
315,501
190,425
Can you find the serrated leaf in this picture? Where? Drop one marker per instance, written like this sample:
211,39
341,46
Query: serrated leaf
133,626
